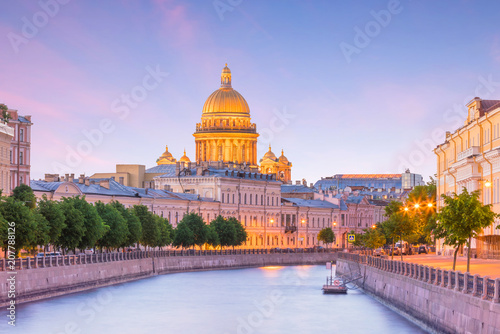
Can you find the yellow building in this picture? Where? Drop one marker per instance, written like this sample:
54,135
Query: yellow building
470,158
280,167
226,132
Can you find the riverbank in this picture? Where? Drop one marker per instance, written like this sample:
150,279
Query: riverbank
445,301
40,283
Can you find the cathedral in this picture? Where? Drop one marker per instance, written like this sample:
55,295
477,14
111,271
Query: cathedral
227,138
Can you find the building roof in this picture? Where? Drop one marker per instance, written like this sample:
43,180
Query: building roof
312,203
22,119
162,169
292,188
116,189
367,176
489,105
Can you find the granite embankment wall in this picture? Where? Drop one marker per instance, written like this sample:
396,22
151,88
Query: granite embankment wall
444,301
73,276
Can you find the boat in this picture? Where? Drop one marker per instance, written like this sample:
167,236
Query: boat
334,286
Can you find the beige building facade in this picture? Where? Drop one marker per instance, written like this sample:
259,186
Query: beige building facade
6,135
470,158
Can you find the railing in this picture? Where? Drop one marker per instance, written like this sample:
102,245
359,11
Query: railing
475,285
69,260
473,150
290,228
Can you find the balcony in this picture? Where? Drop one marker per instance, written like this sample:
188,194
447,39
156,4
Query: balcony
290,229
471,151
239,129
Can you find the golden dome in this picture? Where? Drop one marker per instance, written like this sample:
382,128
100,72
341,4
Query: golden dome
184,158
283,159
269,154
166,158
226,99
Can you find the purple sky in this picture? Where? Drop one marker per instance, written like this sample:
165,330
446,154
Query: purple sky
369,102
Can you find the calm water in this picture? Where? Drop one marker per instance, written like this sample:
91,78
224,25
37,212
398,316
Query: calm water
260,300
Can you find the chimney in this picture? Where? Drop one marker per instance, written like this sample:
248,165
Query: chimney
71,178
87,181
297,183
104,184
177,168
81,179
311,185
66,177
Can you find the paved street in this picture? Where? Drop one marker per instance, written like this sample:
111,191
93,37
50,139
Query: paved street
482,267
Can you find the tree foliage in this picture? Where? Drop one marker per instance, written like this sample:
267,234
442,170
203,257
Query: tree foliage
150,230
197,226
326,235
16,211
74,226
94,225
24,194
116,226
241,233
184,237
54,215
226,231
462,218
373,238
133,224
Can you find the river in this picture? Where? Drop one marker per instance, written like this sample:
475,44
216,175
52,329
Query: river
259,300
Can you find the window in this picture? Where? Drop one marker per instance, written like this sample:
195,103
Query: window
20,180
228,198
245,198
222,198
261,199
20,158
256,199
233,198
250,199
272,200
10,156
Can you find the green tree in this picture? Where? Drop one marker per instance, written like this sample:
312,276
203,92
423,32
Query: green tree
133,224
421,206
74,226
226,231
183,236
24,193
326,235
5,114
196,224
16,211
241,233
212,236
42,231
462,218
166,229
150,229
54,215
93,224
117,229
400,224
373,238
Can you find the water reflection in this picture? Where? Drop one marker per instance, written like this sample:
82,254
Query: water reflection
261,300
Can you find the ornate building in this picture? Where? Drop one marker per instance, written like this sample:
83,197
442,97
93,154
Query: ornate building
20,149
226,132
166,158
6,135
469,158
280,167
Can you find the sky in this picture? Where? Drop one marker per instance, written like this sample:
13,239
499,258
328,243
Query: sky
340,86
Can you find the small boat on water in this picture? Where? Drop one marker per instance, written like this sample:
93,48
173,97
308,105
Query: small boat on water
334,286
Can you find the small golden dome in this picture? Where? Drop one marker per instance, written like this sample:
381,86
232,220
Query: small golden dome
269,154
226,99
166,158
184,158
283,159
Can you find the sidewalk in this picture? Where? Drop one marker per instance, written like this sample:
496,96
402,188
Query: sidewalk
483,267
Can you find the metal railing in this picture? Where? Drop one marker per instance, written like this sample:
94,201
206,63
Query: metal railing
475,285
69,260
